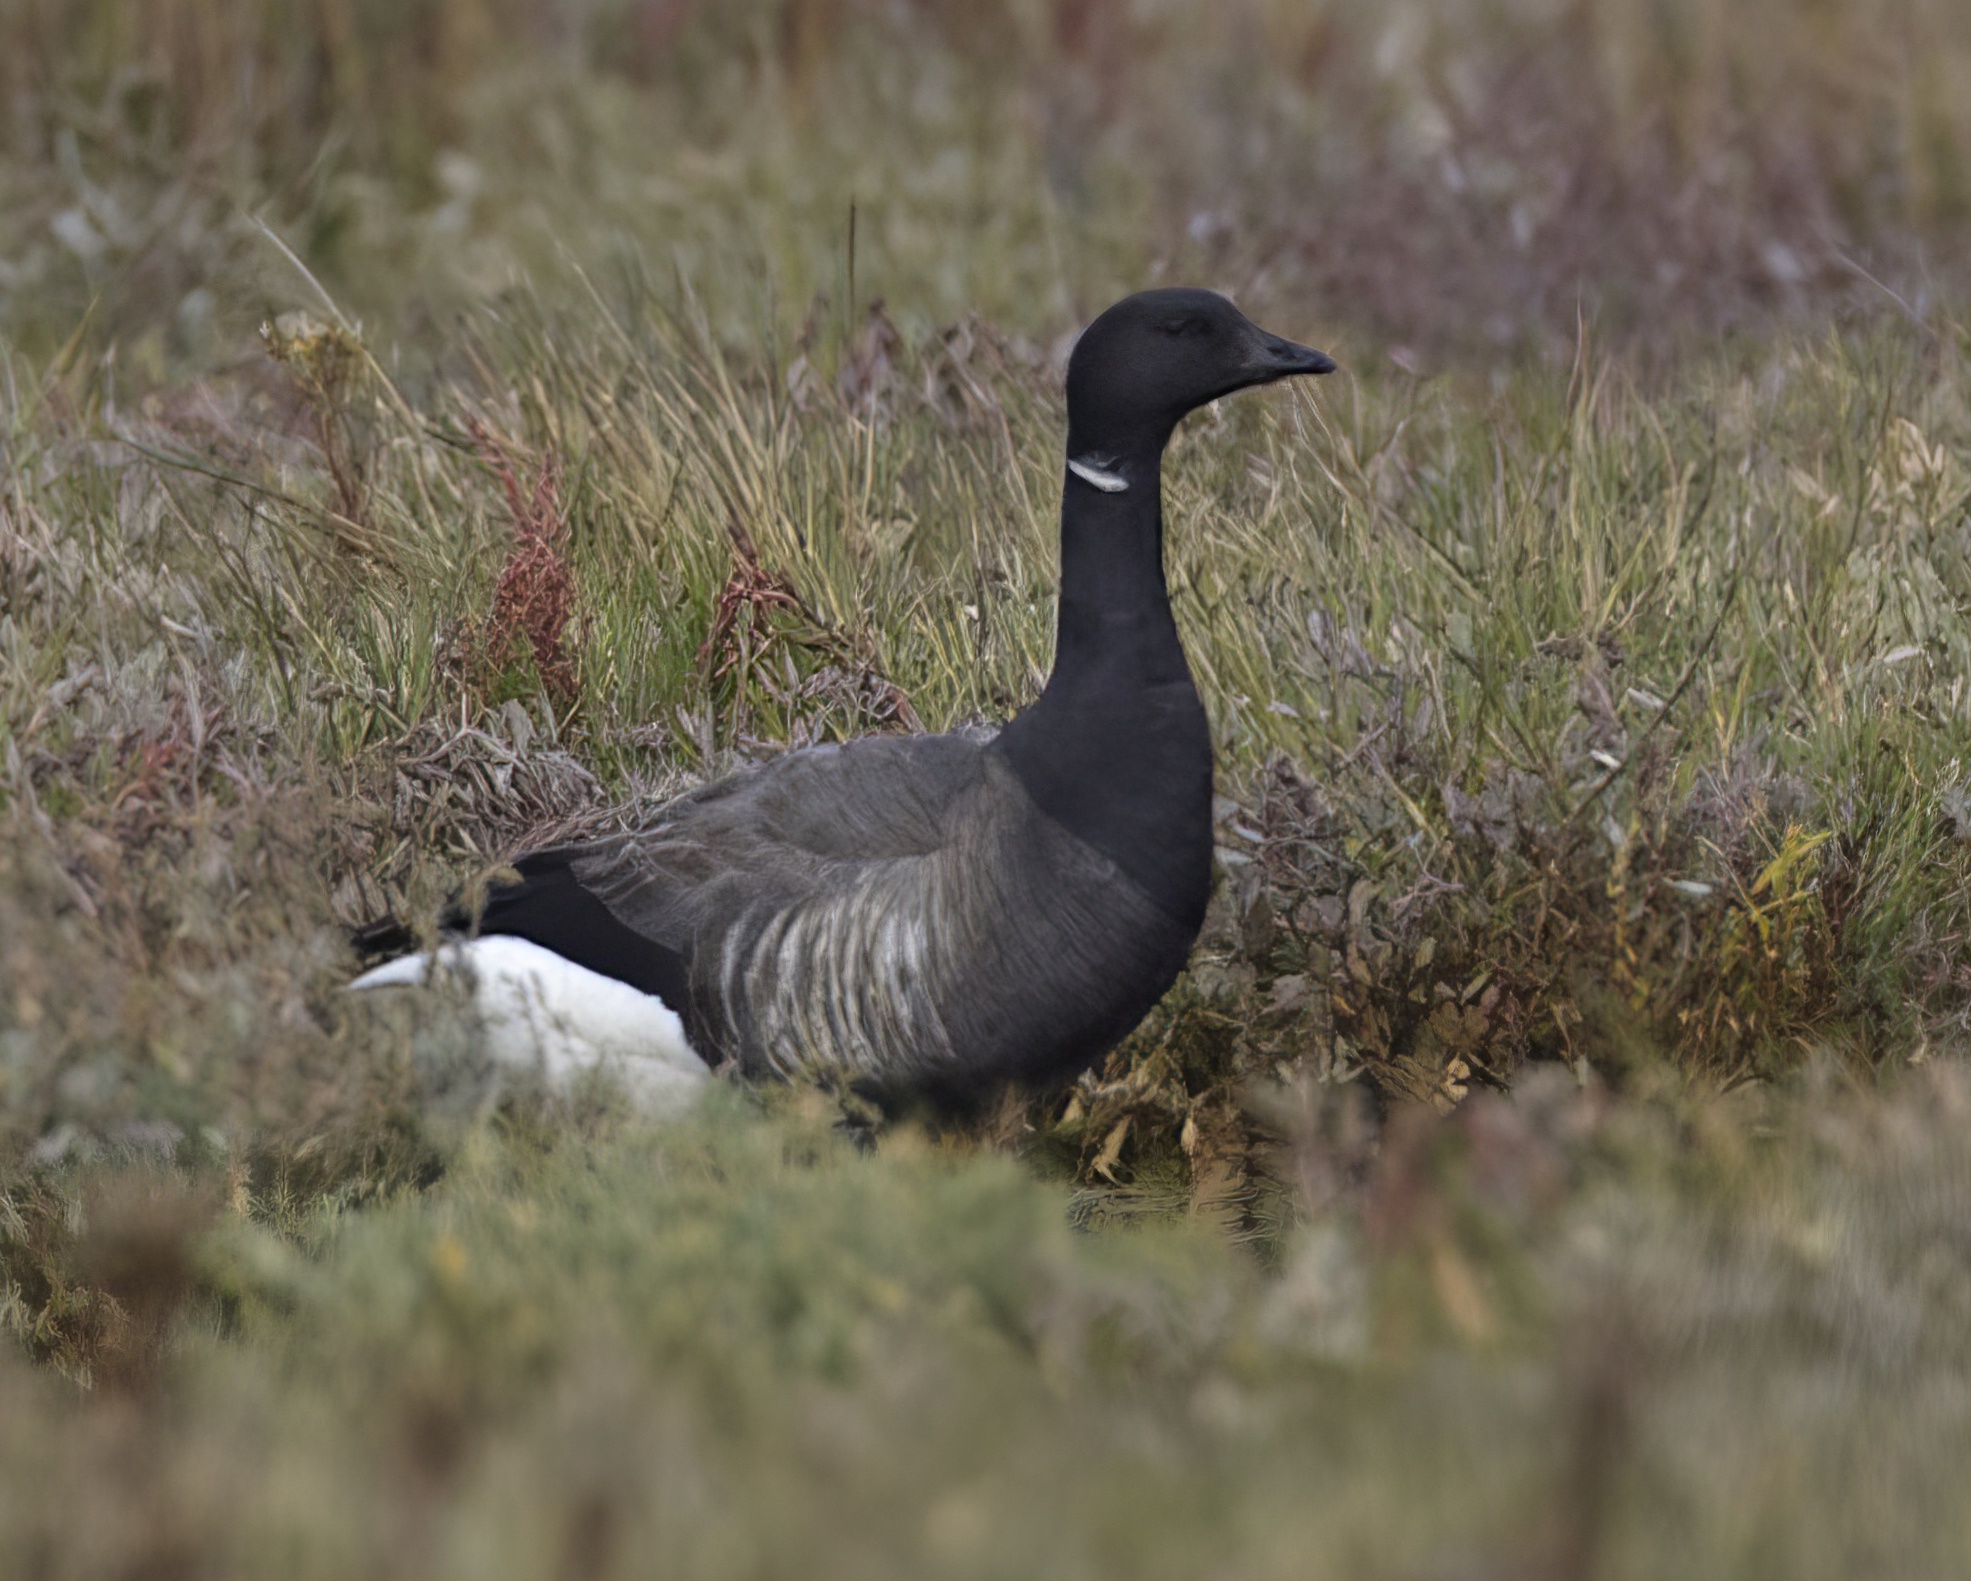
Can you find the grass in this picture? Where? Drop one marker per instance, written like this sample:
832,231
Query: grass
1553,1337
1552,1162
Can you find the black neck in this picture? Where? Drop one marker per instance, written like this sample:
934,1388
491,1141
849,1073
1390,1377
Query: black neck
1117,747
1114,625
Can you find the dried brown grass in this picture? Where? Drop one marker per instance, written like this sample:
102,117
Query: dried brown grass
534,594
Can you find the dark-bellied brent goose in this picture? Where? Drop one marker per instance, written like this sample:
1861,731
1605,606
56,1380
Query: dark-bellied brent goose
922,916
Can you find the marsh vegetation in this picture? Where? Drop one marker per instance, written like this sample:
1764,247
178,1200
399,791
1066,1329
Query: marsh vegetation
428,427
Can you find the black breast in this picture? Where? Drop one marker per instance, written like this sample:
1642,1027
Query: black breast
1130,774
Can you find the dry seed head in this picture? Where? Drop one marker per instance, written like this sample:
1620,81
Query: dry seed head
327,357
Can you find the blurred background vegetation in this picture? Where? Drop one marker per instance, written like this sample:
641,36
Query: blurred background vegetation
435,426
1471,177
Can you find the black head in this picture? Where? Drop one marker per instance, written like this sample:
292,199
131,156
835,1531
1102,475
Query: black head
1159,354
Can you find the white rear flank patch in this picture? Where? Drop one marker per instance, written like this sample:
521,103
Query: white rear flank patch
1097,470
542,1014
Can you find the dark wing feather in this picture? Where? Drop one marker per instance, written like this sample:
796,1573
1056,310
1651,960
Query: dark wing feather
636,907
550,907
770,835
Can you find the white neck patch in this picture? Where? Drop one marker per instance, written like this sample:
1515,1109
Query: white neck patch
1097,470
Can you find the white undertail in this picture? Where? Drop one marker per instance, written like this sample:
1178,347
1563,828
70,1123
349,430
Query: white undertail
541,1014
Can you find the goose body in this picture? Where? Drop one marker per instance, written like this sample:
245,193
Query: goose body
932,915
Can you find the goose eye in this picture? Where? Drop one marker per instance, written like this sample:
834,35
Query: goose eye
1184,326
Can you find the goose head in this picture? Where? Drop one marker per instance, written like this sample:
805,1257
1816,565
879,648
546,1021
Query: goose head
1154,356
